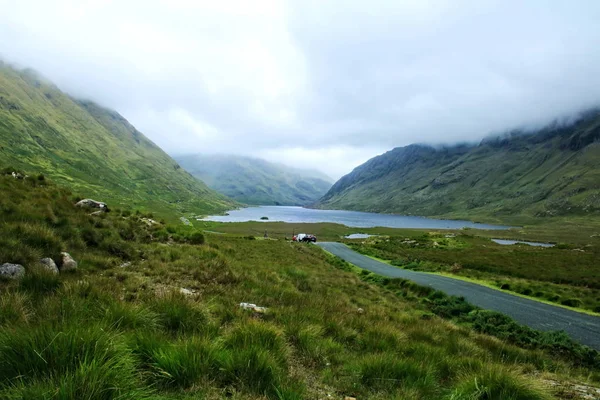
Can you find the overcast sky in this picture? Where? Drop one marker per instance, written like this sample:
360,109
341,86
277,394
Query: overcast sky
324,83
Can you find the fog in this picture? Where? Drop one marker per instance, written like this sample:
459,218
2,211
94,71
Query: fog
325,85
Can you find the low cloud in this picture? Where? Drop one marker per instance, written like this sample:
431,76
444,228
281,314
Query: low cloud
327,83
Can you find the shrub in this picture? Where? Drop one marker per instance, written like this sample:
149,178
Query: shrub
196,238
571,302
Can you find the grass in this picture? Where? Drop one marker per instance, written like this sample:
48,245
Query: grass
92,150
561,275
116,330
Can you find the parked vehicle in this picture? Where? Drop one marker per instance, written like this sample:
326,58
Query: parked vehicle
303,237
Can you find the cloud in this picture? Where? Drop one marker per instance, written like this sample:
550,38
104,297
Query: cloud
331,83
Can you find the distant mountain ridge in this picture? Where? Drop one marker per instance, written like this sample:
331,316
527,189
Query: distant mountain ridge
255,181
552,171
91,149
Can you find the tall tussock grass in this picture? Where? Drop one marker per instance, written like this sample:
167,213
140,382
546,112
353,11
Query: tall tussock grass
128,330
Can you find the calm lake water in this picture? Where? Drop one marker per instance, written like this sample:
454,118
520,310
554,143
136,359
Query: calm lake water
509,242
348,218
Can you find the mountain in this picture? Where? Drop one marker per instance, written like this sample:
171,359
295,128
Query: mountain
91,149
255,181
552,171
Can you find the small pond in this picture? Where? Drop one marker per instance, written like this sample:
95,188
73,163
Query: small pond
358,236
508,242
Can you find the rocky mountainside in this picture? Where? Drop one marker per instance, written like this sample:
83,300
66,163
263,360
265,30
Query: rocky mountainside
91,149
553,171
255,181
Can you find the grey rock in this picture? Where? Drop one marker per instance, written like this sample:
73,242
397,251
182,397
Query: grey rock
49,265
89,203
68,263
12,271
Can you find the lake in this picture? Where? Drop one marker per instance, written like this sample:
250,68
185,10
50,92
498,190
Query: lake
355,219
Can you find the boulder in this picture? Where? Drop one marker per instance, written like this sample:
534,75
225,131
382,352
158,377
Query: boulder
12,271
49,265
68,263
89,203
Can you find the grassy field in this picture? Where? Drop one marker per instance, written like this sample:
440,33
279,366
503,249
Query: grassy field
566,274
120,326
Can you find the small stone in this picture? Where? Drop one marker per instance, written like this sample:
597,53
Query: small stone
68,263
125,264
49,265
96,213
12,271
360,311
349,398
185,291
92,204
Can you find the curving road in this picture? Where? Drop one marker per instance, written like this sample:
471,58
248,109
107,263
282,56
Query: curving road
582,327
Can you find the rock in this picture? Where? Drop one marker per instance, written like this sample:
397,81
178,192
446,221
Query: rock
149,221
349,398
68,263
253,307
99,212
17,175
360,310
49,265
12,271
89,203
125,264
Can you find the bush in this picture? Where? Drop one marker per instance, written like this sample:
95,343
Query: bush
571,302
196,238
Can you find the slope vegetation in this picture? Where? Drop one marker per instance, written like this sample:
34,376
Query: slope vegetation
93,150
153,312
255,181
554,171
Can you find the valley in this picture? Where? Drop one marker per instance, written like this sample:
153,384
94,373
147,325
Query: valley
336,200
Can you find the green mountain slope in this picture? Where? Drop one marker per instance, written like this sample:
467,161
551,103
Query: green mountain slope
255,181
93,150
554,171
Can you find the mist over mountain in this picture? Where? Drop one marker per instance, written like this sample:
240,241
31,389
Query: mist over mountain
255,181
91,149
548,172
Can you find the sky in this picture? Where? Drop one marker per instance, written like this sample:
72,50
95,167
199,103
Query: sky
325,84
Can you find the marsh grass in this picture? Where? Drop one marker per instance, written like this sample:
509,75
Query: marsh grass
565,274
108,331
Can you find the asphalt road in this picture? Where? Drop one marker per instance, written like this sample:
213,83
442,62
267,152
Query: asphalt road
581,327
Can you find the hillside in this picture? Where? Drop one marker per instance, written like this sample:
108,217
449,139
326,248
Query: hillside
550,172
152,311
255,181
93,150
